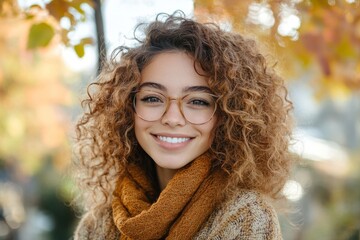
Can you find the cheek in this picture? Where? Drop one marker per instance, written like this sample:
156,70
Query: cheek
209,130
139,127
136,124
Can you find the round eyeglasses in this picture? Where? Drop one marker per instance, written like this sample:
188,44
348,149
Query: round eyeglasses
196,107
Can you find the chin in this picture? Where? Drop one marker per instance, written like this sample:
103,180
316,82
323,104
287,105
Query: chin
172,164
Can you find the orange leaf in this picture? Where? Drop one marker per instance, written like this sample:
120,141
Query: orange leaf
58,8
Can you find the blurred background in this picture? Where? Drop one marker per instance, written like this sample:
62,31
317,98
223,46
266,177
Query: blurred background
49,52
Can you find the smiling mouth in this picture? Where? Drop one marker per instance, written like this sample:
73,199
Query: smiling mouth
173,140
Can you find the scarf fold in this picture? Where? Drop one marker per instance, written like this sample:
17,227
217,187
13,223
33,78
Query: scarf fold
182,207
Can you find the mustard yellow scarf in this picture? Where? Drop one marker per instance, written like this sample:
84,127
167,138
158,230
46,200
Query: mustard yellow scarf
182,207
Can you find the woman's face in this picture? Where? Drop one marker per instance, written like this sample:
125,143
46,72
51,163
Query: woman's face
172,141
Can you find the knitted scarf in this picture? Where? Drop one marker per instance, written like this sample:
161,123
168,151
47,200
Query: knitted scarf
182,207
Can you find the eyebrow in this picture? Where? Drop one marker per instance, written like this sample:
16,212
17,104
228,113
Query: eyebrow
152,85
197,89
186,89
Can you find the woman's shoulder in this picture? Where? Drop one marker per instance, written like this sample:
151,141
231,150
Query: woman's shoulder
244,214
249,201
97,227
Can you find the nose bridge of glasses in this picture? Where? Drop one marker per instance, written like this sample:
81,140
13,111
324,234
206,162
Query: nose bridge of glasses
178,104
173,116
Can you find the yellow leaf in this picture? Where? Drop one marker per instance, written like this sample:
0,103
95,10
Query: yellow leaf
79,49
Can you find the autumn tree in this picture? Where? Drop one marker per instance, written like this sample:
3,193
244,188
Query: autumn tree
312,34
58,19
36,100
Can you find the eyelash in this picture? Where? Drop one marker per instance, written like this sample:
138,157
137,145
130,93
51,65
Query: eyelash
151,99
191,101
200,102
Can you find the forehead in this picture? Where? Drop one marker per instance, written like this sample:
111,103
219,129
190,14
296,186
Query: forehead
173,70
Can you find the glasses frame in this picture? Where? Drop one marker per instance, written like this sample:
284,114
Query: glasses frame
168,102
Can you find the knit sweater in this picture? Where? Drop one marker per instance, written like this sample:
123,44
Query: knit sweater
244,215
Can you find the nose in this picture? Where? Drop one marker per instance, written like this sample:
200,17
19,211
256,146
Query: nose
173,115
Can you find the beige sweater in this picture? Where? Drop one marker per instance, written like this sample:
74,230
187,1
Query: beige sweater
246,215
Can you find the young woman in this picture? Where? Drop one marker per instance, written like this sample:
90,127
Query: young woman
185,137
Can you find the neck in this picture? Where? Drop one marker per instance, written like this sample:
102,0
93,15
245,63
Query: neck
164,176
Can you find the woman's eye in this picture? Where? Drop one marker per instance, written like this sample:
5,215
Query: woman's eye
151,99
199,102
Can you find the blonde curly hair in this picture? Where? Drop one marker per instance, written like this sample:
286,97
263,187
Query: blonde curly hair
253,131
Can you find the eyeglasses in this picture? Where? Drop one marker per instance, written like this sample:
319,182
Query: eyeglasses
197,108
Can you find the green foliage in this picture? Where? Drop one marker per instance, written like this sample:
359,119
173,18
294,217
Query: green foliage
55,12
40,35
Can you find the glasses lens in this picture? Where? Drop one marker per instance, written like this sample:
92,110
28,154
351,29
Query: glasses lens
198,108
149,105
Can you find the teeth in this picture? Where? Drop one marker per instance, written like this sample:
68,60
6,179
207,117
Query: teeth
173,140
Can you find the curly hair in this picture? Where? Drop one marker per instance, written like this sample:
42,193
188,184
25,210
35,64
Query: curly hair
254,127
